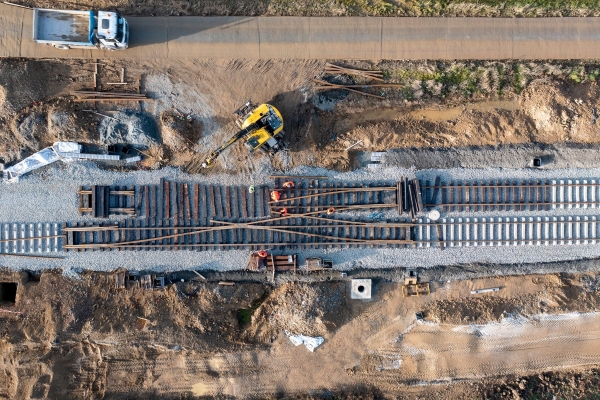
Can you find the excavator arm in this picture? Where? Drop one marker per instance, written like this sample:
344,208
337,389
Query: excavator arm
259,128
210,160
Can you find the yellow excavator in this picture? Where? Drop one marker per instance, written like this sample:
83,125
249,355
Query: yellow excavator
261,127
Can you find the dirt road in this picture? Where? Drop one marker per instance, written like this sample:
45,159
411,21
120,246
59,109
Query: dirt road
327,38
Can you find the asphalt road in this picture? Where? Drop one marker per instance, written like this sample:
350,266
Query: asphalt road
327,38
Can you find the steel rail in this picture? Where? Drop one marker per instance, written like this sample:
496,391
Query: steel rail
504,185
338,191
373,242
31,238
544,203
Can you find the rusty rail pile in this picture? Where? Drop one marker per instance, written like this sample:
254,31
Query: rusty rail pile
96,96
376,76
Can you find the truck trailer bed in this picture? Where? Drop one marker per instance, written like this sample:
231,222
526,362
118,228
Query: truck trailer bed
62,26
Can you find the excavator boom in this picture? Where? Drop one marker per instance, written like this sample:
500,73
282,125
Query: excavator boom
262,129
210,160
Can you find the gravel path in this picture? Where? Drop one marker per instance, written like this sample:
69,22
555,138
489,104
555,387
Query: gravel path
563,155
50,196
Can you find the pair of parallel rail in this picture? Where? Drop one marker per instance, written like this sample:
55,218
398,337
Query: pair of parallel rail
183,216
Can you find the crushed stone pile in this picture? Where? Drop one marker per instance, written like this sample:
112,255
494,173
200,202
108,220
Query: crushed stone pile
135,128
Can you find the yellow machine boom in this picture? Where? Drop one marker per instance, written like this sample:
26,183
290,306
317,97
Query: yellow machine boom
262,128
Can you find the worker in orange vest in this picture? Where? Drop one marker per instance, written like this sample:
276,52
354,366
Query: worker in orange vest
283,212
330,211
275,195
288,185
262,254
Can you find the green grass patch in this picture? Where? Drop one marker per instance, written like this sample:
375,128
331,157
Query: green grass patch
517,78
369,7
244,315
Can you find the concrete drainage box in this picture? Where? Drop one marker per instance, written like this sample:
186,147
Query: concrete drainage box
360,289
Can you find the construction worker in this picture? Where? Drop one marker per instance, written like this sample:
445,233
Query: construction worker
251,189
262,254
275,195
330,211
283,212
288,185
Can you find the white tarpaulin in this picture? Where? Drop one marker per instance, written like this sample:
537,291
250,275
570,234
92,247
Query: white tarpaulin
65,151
310,342
34,161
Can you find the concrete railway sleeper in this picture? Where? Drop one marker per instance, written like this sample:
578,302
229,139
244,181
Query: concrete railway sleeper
512,195
27,238
513,231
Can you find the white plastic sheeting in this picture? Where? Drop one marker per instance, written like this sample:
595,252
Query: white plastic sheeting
310,342
35,161
65,151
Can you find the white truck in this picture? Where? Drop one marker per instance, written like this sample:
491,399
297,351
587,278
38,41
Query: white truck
66,29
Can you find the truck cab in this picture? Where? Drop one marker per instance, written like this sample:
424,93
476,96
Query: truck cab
112,31
72,29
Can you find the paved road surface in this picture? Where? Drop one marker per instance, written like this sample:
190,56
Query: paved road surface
328,38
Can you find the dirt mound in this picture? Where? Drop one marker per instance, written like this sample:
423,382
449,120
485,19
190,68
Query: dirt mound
2,96
135,128
303,309
179,131
557,293
562,111
30,127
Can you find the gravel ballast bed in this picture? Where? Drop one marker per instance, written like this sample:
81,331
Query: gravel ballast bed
50,195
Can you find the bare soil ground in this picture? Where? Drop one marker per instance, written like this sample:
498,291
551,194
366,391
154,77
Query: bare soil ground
82,338
441,105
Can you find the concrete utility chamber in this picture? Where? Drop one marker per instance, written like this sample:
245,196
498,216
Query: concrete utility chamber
360,289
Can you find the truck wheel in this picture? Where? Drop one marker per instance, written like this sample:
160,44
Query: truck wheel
61,46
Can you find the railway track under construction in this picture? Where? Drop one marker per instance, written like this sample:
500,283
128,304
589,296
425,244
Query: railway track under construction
512,195
321,214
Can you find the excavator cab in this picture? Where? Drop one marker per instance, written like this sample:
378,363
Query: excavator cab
261,128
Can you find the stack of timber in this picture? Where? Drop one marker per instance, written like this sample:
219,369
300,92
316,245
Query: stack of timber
282,263
102,201
409,197
95,96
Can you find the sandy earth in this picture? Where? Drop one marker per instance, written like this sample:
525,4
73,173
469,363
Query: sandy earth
84,339
186,340
34,112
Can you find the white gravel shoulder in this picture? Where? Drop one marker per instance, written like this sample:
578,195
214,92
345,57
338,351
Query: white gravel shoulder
50,196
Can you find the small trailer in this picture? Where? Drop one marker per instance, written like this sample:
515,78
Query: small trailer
67,29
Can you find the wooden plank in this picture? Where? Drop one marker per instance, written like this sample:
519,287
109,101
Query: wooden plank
411,199
154,201
147,201
94,212
101,203
419,196
203,213
213,212
179,201
185,203
243,194
399,197
228,200
196,191
167,200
